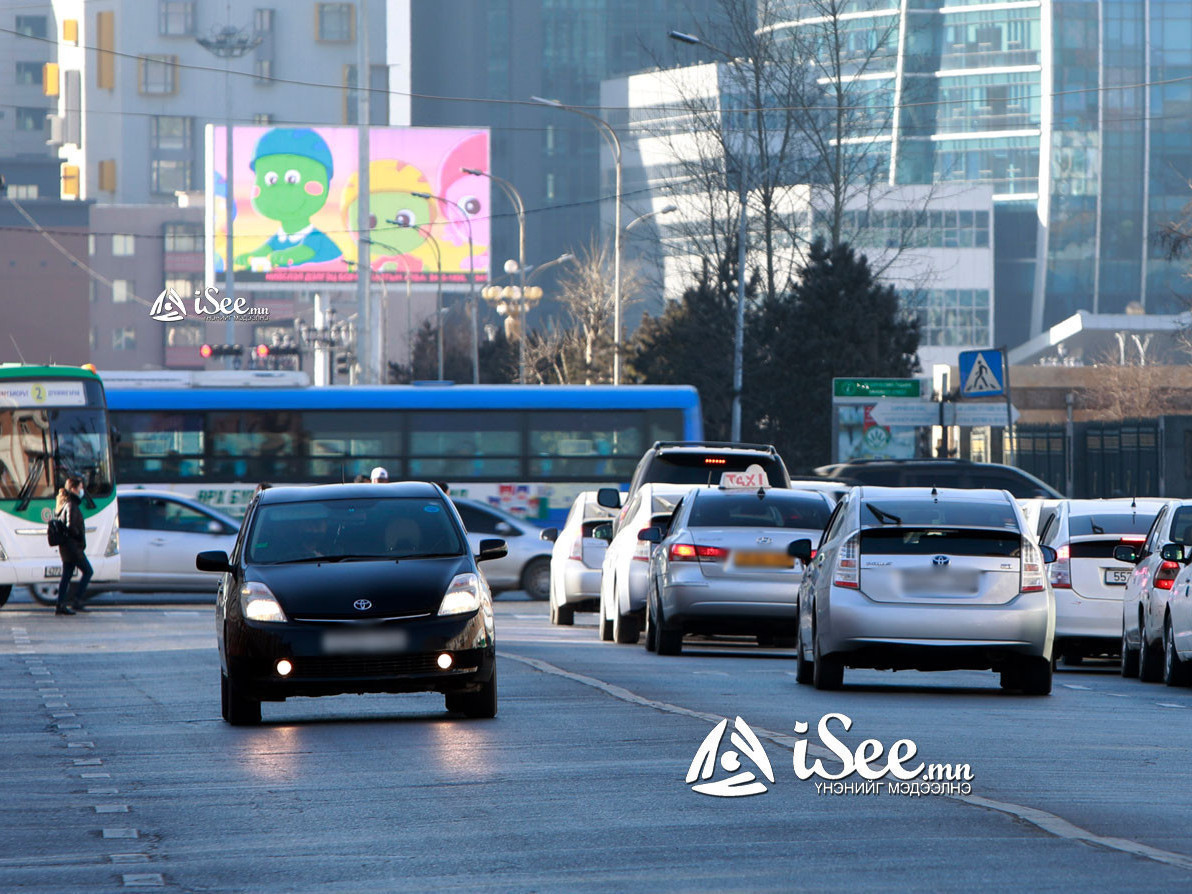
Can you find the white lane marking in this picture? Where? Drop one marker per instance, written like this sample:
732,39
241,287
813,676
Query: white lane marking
69,725
120,833
1076,686
103,790
95,775
80,744
1048,822
57,705
1169,705
88,762
111,808
710,673
129,858
1116,694
64,714
143,880
1061,828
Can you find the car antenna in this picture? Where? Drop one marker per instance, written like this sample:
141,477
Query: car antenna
935,493
343,473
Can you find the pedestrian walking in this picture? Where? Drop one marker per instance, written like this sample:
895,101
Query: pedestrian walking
72,549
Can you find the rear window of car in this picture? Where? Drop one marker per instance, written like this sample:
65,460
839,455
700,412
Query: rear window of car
689,467
1100,523
390,528
944,513
939,541
966,477
747,510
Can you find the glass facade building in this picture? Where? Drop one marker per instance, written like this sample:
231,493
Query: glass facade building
1076,112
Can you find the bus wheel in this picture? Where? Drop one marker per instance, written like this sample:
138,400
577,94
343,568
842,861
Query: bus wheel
5,592
46,594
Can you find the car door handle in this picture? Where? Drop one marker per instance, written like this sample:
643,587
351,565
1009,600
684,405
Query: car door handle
159,541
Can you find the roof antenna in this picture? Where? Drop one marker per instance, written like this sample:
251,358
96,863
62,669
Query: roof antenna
343,473
935,493
18,347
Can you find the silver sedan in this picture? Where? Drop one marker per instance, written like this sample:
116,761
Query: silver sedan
724,565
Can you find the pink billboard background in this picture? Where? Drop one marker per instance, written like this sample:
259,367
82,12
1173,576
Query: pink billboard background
296,194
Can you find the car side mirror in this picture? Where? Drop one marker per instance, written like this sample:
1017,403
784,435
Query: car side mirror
1049,554
213,560
652,534
603,532
1125,553
492,548
1173,552
549,534
801,550
609,498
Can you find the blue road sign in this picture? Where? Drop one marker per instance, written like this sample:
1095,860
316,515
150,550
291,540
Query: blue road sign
982,374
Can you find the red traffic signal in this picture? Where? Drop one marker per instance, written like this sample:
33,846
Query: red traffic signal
205,351
208,351
262,350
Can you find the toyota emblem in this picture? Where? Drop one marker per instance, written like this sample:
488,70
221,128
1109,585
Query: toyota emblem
764,540
362,605
940,561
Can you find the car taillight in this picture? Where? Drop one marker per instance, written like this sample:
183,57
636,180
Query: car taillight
641,552
848,571
1166,575
686,552
1060,571
577,549
1032,568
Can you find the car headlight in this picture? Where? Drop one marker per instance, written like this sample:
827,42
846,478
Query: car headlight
113,547
259,604
462,596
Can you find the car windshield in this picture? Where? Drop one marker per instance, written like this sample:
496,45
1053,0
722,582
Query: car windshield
1104,523
388,528
930,513
747,510
706,468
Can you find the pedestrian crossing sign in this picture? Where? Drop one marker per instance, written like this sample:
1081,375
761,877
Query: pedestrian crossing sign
982,373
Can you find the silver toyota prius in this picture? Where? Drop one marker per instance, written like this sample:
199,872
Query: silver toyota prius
927,579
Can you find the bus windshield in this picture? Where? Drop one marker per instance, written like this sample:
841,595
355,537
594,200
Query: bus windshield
41,445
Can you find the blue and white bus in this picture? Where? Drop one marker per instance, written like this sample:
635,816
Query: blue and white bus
527,449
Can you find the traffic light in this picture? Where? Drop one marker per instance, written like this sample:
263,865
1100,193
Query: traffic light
277,350
343,363
209,351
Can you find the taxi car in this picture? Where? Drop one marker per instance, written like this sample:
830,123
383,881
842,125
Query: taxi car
353,588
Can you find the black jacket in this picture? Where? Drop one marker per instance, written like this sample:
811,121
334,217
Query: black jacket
72,549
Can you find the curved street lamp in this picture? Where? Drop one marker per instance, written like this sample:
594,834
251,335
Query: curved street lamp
425,231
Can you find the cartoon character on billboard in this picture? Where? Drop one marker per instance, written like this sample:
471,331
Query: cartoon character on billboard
293,169
221,207
466,192
392,184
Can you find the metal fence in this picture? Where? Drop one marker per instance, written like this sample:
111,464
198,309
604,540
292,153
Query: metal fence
1101,459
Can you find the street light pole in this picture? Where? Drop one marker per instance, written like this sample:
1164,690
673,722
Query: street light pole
229,43
742,226
370,371
471,283
434,243
615,143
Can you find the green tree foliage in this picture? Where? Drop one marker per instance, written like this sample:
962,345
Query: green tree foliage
837,320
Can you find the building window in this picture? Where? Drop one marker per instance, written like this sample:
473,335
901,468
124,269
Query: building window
30,118
157,75
335,21
22,191
32,26
93,336
105,50
550,186
262,21
123,245
121,291
378,96
91,250
175,18
262,69
29,74
172,132
169,175
184,335
124,339
185,286
262,118
185,238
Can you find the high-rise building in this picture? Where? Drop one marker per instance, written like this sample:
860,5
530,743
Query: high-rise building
27,43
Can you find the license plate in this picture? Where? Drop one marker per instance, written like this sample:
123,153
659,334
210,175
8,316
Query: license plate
364,642
53,571
755,559
1117,577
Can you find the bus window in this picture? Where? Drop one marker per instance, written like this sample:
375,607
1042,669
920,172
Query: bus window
465,445
258,445
160,446
601,444
340,443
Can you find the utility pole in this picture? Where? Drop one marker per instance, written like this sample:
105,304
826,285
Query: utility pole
365,344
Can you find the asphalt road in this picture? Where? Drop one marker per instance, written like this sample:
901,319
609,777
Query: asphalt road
118,773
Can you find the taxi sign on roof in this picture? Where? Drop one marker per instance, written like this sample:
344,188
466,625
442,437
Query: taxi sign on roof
751,479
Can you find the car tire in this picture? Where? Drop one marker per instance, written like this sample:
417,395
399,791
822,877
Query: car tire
1073,659
535,579
481,705
564,615
668,640
804,669
651,629
1175,671
606,625
1033,676
5,592
44,594
828,672
1150,660
1129,656
1008,677
234,706
627,629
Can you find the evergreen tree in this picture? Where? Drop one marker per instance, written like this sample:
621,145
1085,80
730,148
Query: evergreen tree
498,356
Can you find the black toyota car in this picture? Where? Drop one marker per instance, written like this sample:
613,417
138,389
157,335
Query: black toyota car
353,588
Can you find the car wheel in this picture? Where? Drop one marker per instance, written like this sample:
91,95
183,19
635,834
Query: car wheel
1008,677
1150,660
669,641
828,672
535,579
626,629
1175,671
45,594
564,615
1033,676
235,707
804,669
606,623
5,592
481,704
651,626
1073,659
1129,656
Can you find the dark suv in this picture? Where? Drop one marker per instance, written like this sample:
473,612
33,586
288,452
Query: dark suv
959,473
698,462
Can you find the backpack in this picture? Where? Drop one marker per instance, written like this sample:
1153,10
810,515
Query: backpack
56,531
